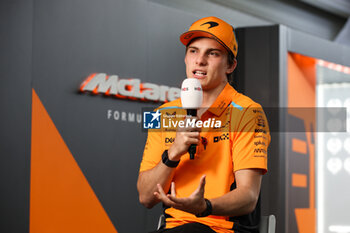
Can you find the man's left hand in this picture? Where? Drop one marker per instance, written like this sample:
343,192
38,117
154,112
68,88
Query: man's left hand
194,204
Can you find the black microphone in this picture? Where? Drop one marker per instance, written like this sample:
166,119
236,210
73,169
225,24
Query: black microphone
191,99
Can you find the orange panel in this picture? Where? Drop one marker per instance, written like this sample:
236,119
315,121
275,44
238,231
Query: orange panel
301,87
299,146
299,180
301,103
307,65
306,219
61,199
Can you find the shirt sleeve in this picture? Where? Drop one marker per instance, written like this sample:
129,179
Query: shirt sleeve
251,140
153,151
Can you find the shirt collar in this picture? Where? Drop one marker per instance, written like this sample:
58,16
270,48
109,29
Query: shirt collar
223,100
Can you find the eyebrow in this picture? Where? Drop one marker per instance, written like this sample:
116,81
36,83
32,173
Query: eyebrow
207,50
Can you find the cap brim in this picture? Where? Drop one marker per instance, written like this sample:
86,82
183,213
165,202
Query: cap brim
187,37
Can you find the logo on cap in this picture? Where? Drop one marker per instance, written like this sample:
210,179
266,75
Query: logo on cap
211,23
188,36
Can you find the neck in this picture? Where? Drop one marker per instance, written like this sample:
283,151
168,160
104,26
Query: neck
209,96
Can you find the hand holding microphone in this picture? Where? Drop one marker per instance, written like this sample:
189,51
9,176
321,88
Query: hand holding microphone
187,138
191,100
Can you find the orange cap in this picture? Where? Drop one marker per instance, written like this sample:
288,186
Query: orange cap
215,28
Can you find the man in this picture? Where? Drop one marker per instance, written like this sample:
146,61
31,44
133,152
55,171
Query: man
218,191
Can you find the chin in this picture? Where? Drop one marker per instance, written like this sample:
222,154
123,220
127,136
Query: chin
204,86
201,80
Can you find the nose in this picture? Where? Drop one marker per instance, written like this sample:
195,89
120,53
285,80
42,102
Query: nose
201,59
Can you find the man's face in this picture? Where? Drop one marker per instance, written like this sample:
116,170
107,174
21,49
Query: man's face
206,60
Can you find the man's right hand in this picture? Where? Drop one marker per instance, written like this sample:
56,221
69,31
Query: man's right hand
184,138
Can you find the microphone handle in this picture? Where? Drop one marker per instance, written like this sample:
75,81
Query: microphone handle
192,149
192,112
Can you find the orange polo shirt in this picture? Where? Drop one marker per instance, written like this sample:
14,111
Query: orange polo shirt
240,143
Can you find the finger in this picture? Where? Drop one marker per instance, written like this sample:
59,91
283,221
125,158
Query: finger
161,194
173,191
163,197
178,201
193,134
160,190
188,134
196,129
175,204
190,141
157,195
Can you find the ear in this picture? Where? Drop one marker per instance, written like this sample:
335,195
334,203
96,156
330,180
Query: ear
232,67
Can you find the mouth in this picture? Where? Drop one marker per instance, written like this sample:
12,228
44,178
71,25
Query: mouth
199,74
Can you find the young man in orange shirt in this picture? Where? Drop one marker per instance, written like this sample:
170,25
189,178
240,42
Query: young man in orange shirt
218,191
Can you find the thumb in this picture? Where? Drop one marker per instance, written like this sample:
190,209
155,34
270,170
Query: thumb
201,186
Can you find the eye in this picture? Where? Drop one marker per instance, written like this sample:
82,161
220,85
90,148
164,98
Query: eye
191,50
215,54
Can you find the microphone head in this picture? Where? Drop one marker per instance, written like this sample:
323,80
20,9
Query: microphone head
191,94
